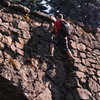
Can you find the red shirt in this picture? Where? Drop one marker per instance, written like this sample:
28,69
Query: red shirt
57,24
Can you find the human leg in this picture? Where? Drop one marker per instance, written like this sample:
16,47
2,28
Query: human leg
68,52
52,45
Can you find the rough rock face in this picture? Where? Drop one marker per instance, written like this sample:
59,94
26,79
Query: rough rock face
26,73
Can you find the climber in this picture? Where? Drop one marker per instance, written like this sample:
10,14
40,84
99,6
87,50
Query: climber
57,36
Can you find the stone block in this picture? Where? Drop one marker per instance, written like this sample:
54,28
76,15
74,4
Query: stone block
2,45
45,95
23,25
8,40
19,45
1,57
26,34
16,64
93,86
84,94
21,40
73,45
81,76
77,60
83,55
83,61
81,47
0,20
21,52
7,18
98,73
13,48
4,30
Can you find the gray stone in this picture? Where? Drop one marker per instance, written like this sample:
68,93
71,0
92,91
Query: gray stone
9,40
26,34
73,45
23,25
81,76
87,63
2,45
81,47
91,71
19,51
98,96
15,16
93,86
0,20
45,95
1,36
77,60
96,51
6,55
13,48
88,49
75,38
19,45
83,61
91,60
96,44
21,40
17,64
15,30
97,67
1,57
98,73
81,67
74,52
83,55
98,80
39,87
4,30
7,18
6,25
88,54
37,24
84,94
4,40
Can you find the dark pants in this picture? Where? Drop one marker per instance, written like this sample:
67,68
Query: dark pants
60,41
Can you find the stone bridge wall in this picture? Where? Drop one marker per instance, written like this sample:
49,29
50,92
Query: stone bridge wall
24,42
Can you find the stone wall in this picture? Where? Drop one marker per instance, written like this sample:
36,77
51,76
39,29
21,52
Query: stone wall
25,64
86,49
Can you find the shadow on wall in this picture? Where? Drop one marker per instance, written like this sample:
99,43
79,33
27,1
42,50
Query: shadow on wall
59,72
9,91
63,84
38,44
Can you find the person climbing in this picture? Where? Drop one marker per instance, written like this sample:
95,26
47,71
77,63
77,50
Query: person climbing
57,36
